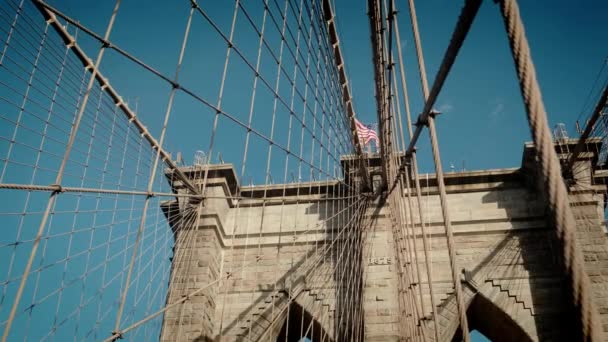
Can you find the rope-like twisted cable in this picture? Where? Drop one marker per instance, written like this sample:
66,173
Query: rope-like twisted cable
551,174
465,20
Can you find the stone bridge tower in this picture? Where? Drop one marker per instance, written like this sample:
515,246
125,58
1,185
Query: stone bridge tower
247,257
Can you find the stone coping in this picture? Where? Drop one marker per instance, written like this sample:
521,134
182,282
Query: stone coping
455,181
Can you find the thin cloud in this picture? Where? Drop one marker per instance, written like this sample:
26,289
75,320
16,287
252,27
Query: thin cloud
498,109
445,108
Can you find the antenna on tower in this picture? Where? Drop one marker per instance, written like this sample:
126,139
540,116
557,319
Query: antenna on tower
200,158
560,133
579,130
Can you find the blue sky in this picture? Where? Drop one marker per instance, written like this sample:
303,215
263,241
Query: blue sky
483,124
485,121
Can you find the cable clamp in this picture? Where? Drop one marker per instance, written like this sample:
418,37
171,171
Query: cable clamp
89,65
52,19
119,102
409,154
104,83
433,113
58,188
423,120
117,335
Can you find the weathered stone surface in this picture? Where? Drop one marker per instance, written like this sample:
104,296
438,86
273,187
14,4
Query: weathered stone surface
249,256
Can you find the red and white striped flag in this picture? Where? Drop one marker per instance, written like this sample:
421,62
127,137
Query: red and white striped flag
366,133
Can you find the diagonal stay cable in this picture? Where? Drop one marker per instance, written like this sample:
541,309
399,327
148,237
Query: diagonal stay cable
202,288
153,172
551,175
413,171
468,13
53,196
70,41
460,32
48,10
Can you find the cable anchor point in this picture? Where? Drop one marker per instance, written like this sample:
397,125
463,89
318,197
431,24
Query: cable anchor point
424,119
117,335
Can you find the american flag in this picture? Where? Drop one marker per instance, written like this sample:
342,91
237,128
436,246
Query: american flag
366,133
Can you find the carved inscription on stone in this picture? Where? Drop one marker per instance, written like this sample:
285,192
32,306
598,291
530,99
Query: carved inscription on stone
379,261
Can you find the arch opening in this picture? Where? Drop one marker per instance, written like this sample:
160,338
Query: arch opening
491,323
300,325
477,336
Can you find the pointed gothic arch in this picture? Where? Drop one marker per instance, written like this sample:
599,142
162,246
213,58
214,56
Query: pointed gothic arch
301,323
491,312
493,322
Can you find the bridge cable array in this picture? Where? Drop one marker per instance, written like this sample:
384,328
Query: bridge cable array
110,237
316,105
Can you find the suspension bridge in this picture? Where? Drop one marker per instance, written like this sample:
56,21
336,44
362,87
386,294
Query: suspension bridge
286,227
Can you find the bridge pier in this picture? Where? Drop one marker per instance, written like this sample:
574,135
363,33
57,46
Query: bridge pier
276,256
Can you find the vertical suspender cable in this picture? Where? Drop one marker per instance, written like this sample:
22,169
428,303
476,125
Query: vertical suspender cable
464,22
60,173
334,40
414,170
152,177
